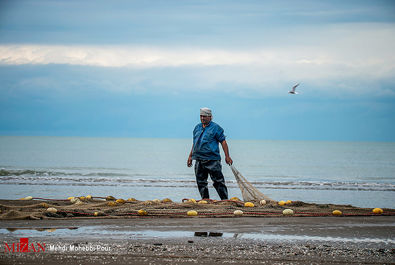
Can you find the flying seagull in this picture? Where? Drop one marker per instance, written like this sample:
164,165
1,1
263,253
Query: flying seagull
293,89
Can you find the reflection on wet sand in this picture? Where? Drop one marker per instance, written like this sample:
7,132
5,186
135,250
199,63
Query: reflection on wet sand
208,234
41,229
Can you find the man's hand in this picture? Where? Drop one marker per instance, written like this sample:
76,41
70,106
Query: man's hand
228,160
189,162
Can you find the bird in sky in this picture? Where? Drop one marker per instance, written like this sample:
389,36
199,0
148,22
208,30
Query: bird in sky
293,89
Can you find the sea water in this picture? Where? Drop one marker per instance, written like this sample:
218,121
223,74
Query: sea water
357,173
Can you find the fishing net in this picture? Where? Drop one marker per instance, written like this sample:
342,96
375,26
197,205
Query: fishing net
100,207
249,192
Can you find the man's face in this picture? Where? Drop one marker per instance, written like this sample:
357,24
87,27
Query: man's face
205,119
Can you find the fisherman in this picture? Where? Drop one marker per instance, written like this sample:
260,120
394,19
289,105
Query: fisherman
205,151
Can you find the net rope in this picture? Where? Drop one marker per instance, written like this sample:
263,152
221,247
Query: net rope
248,191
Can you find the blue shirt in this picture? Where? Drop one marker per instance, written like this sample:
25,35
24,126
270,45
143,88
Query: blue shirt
205,141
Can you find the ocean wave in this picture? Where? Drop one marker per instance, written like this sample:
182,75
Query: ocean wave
192,184
27,172
58,177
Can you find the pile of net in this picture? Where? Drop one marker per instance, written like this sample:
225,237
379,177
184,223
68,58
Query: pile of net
110,207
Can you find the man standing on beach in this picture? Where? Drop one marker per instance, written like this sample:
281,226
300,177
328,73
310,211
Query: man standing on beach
205,151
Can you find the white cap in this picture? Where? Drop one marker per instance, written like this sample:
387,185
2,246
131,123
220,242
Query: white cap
205,111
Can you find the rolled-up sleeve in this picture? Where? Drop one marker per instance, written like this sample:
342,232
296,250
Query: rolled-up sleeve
220,135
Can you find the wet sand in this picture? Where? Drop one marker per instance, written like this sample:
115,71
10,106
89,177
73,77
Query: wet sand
244,240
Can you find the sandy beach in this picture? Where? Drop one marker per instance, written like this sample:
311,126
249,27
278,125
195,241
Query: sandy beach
345,240
265,239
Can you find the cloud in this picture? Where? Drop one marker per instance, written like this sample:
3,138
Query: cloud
346,57
349,45
116,56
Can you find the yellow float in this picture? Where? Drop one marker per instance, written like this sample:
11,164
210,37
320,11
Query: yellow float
89,197
44,205
120,201
192,213
288,202
132,200
249,204
112,203
202,202
281,203
110,198
166,200
337,212
377,211
142,212
235,199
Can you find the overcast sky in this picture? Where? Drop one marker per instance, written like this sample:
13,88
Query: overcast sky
144,68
